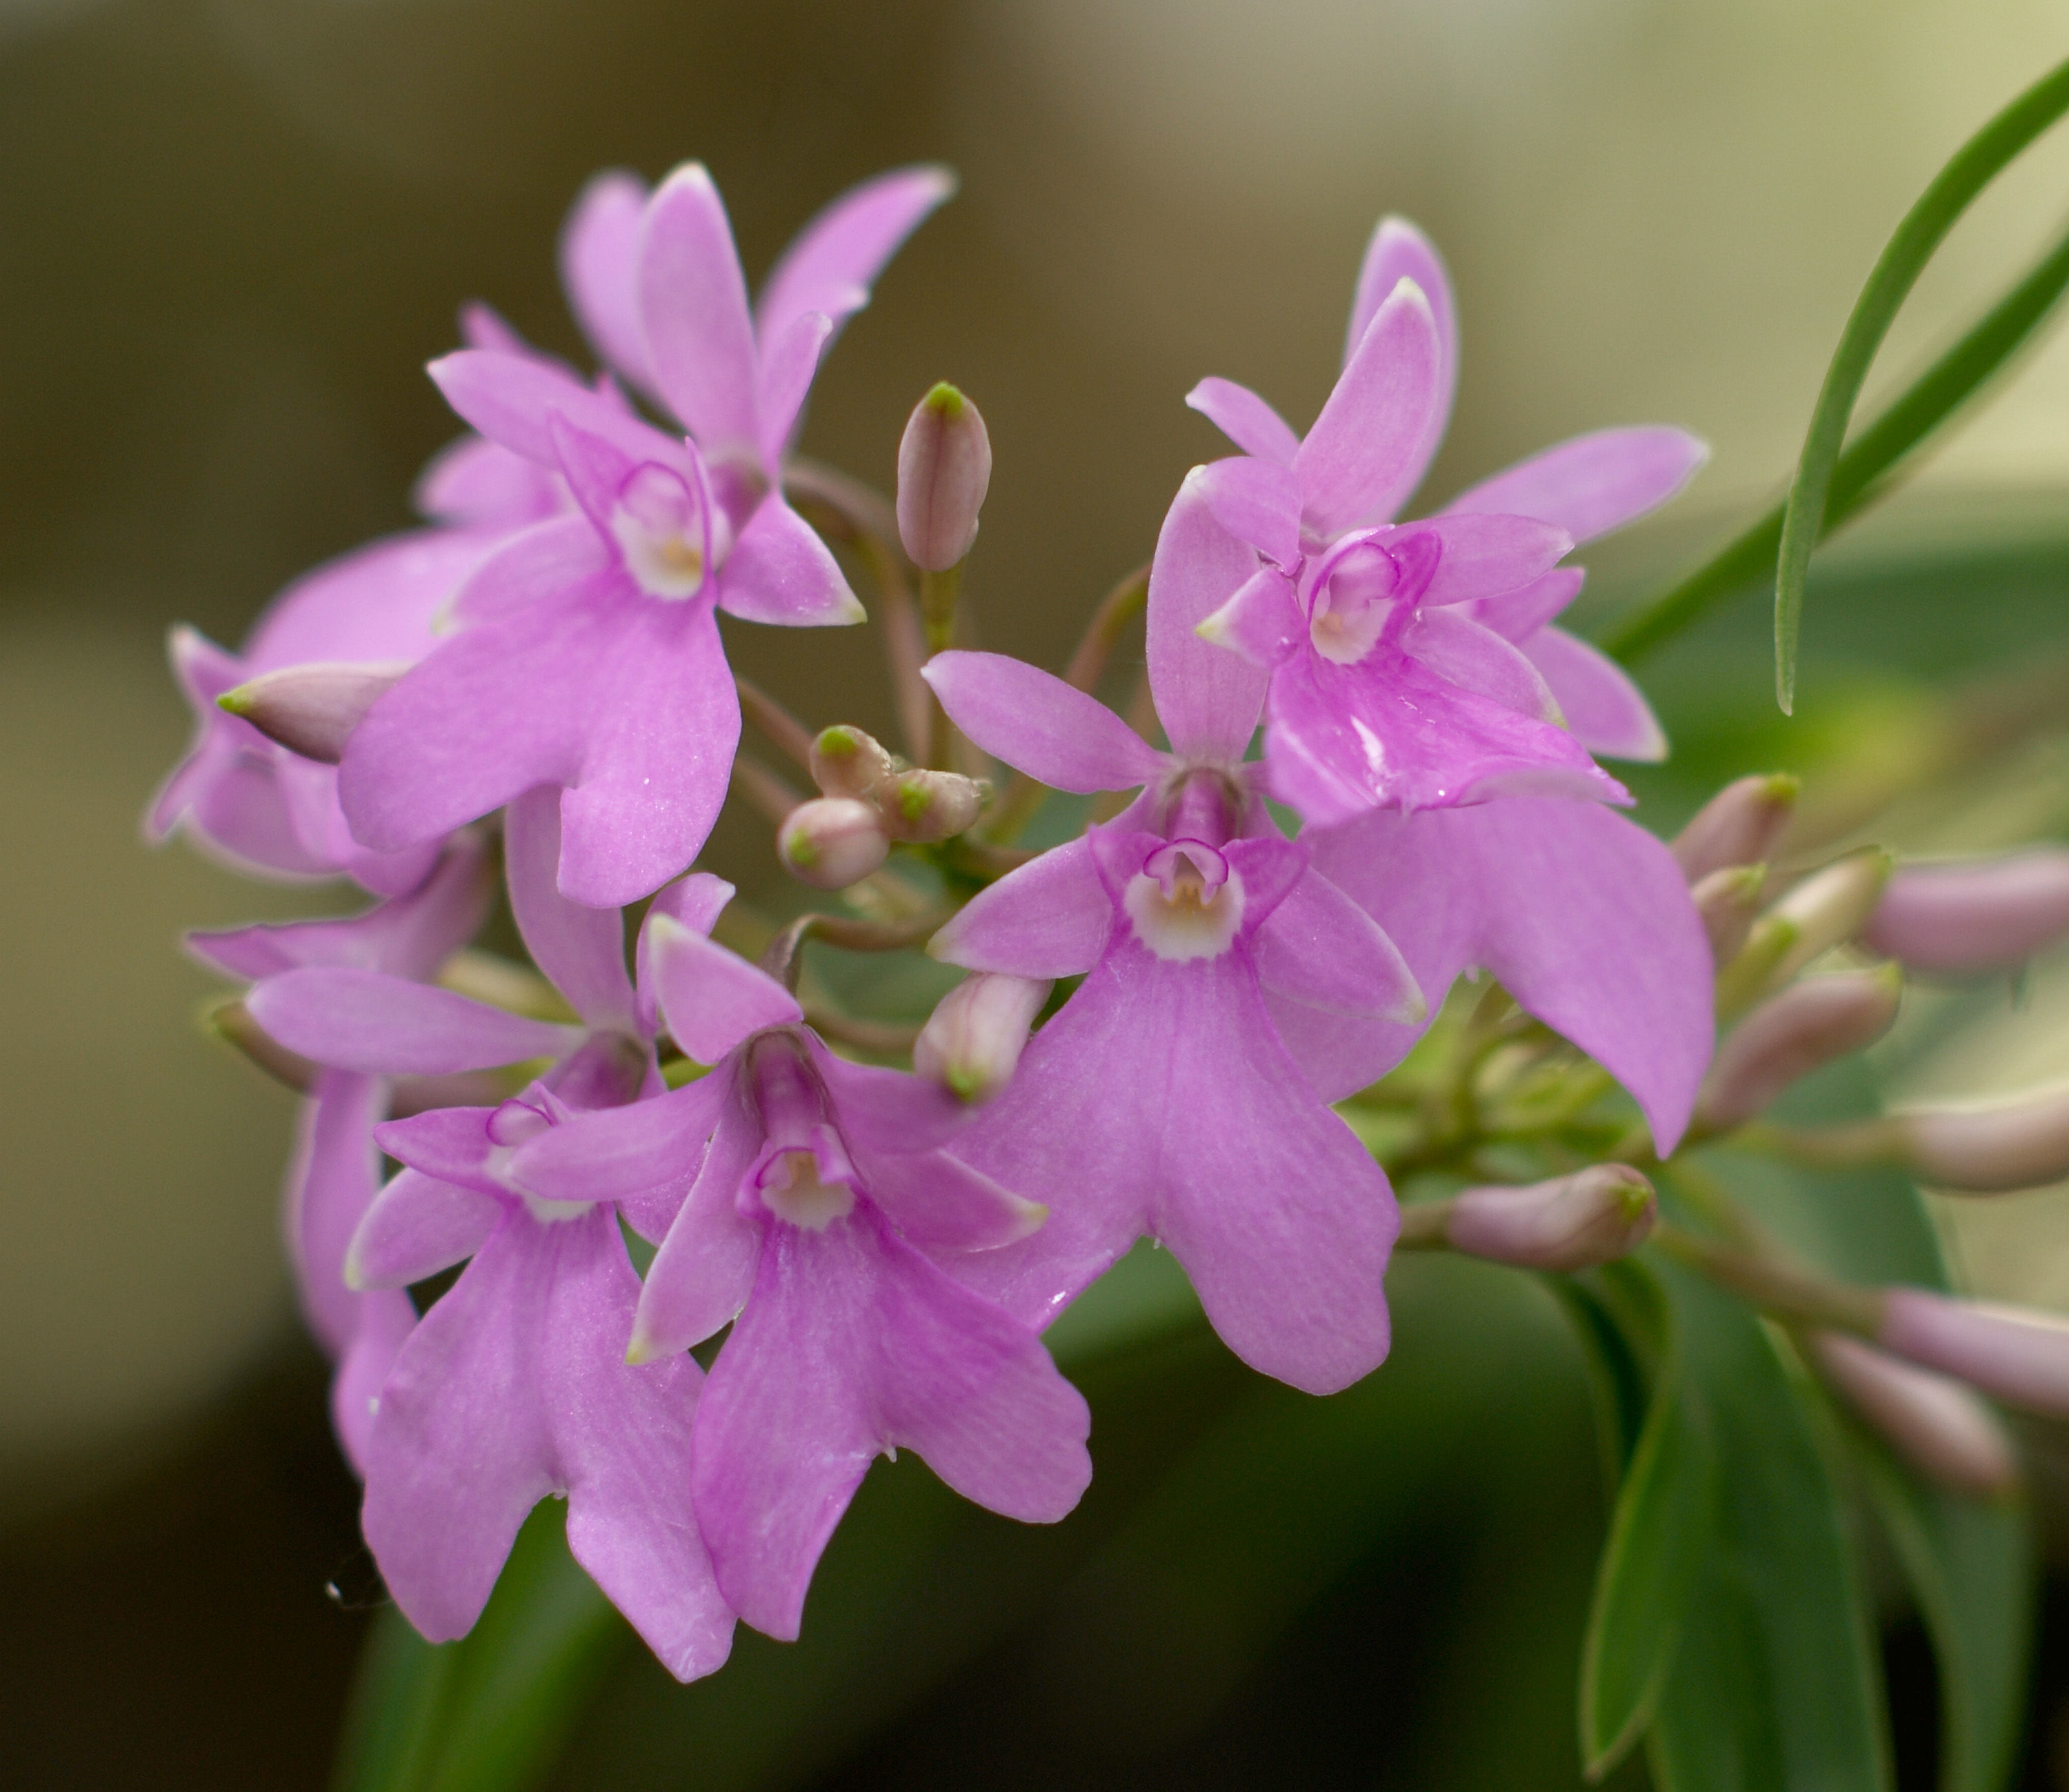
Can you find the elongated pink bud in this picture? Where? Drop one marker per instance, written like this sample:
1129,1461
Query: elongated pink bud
944,470
2020,1144
1594,1216
1728,901
923,804
312,709
1991,915
1829,906
1935,1423
832,842
972,1040
1806,1026
846,762
2013,1354
1738,826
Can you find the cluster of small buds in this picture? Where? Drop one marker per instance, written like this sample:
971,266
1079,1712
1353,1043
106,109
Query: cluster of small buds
869,799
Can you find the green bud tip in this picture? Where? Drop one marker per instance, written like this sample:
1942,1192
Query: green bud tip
238,702
837,742
945,401
1782,787
800,850
1632,1198
912,797
964,1084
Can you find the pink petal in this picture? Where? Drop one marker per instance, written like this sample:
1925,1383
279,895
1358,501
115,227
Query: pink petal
704,1272
1207,699
850,1344
581,950
693,307
1607,713
833,262
448,1145
697,901
473,481
1040,725
1367,450
942,1205
1583,916
779,571
386,1320
1516,615
1318,948
512,399
886,1113
540,563
711,998
1593,483
376,602
1486,557
599,269
1256,501
788,363
1398,252
1263,621
417,1227
1245,420
387,1026
1049,918
331,1180
621,1153
1461,652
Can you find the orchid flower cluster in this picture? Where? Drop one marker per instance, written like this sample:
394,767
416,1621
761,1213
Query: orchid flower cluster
717,1254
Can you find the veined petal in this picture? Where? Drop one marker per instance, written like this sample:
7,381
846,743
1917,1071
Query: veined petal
546,559
1049,918
886,1111
417,1227
448,1145
788,363
1368,448
711,998
692,300
581,949
620,1153
331,1181
599,269
1262,622
696,901
704,1272
1516,615
472,480
1318,947
942,1205
1583,916
1040,725
388,1026
1245,420
1398,252
1486,556
779,571
1593,484
1606,713
1461,652
1208,699
386,1319
1256,501
512,399
832,263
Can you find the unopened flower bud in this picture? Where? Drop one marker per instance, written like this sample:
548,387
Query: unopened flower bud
972,1040
944,469
1991,915
1935,1424
1738,826
1573,1222
846,762
1806,1026
312,709
832,842
2013,1354
2021,1143
1829,906
925,805
1728,901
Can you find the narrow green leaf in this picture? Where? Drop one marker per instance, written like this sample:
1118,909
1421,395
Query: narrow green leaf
1661,1537
1973,166
1777,1682
392,1717
1860,478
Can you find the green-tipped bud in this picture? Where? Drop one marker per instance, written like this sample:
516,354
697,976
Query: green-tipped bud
1728,901
1738,826
973,1039
312,709
944,470
1826,908
922,805
1803,1029
1577,1221
832,842
846,762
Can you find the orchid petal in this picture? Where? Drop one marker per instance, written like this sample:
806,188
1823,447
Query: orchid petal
697,901
388,1026
1318,948
703,1274
331,1180
1036,722
788,363
386,1319
887,1113
942,1205
1398,252
1257,502
1583,917
1593,484
833,262
1207,699
1484,556
1368,448
621,1153
599,256
1461,652
581,950
711,999
543,562
472,480
512,399
1245,420
448,1145
417,1227
692,300
779,571
1606,712
1517,616
1050,917
1262,622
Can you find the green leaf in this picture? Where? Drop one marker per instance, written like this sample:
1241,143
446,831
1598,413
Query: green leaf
490,1713
1661,1536
1777,1681
1861,476
1973,166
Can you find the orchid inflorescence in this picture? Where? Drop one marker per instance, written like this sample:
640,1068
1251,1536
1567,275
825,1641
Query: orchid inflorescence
1404,931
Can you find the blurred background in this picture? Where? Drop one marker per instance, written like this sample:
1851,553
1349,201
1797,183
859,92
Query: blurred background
231,232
